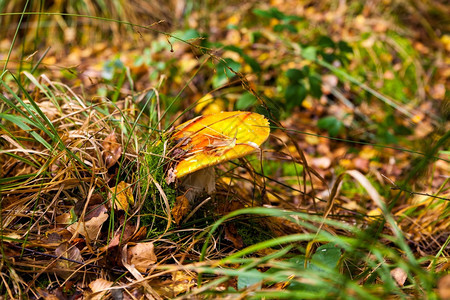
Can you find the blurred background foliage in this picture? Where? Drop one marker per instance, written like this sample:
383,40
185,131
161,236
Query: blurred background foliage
366,71
347,79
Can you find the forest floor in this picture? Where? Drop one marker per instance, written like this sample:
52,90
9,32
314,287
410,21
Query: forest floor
328,178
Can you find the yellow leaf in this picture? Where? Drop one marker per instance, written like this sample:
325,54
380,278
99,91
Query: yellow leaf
123,196
203,102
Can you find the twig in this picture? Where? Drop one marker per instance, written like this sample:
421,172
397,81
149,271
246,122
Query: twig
35,252
395,187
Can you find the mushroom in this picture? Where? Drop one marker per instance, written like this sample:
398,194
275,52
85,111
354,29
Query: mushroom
206,141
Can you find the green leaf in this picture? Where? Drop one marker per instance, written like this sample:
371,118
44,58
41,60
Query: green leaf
185,35
270,110
252,62
270,13
295,94
223,72
249,278
287,27
245,101
326,42
328,57
20,122
315,85
326,257
331,124
344,47
295,75
309,53
233,48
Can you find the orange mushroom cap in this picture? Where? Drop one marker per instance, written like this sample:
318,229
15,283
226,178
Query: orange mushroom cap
212,139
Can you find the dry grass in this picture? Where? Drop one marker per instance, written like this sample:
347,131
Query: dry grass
86,210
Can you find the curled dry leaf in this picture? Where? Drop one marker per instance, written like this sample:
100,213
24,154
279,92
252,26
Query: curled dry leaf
99,288
142,256
399,276
122,196
211,139
91,228
65,268
112,150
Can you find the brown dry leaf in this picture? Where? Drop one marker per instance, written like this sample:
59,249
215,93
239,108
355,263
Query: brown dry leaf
142,256
438,91
46,295
423,129
135,272
399,276
91,228
123,235
361,164
113,150
180,209
64,219
65,268
444,287
140,234
57,237
232,235
123,196
99,287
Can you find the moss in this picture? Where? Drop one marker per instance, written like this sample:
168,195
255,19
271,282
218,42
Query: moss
154,214
252,233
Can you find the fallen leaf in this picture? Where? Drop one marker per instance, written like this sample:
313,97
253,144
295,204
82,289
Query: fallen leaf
122,236
444,287
182,282
64,219
423,129
56,236
232,235
46,295
99,287
399,276
203,102
180,209
142,256
122,196
91,228
112,150
361,164
65,268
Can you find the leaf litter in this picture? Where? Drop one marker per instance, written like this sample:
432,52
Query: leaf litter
77,213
